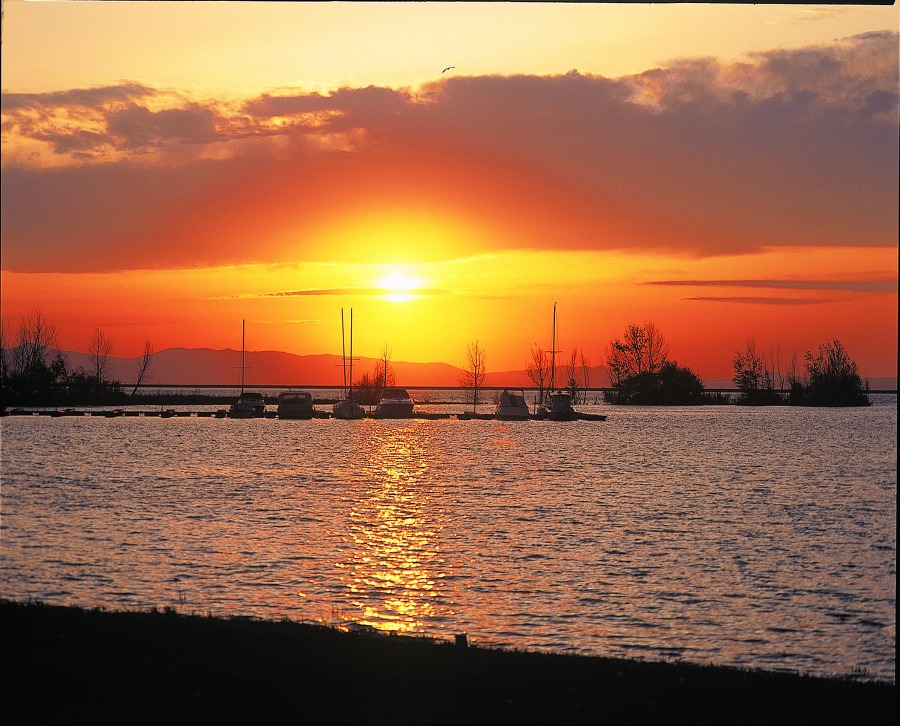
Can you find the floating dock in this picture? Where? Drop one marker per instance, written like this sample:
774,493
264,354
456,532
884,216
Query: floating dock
222,413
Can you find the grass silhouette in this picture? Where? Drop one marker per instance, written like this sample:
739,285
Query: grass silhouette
65,664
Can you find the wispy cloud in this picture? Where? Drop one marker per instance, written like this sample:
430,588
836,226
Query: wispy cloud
873,285
360,291
763,300
791,16
339,291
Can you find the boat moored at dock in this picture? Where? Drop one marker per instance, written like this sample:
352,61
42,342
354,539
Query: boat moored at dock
512,406
558,408
295,405
559,405
395,403
248,405
347,409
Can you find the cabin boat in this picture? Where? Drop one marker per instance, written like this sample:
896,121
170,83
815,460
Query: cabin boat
295,404
248,405
348,410
558,408
394,403
512,406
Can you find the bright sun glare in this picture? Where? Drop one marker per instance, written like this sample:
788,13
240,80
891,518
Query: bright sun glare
399,286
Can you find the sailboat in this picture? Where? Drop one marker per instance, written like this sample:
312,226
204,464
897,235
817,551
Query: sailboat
248,405
348,409
559,407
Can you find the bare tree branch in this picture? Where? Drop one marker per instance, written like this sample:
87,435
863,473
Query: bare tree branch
641,350
99,351
473,376
143,365
384,374
37,336
585,376
538,370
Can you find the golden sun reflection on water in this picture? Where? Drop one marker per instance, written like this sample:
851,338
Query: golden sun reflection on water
391,577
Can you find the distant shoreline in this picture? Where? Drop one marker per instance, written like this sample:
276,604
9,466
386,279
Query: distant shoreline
69,664
530,389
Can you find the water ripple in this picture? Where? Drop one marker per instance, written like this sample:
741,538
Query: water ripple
749,537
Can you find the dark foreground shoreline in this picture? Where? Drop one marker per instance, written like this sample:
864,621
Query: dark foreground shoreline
66,664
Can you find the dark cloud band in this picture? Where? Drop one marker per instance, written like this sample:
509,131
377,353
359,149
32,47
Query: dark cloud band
699,158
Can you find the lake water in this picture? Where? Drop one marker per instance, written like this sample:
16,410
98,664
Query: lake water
760,538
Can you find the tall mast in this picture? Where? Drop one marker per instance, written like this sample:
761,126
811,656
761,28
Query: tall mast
553,352
343,353
242,356
351,354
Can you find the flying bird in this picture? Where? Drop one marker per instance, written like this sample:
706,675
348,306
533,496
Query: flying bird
447,69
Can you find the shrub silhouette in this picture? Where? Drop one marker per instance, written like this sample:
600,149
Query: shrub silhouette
832,379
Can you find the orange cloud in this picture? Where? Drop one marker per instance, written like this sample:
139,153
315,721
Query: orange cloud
697,159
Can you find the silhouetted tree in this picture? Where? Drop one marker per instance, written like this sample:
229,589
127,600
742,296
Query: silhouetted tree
642,349
384,373
32,374
671,385
473,376
37,336
641,374
538,370
572,377
585,376
143,365
679,385
796,380
99,350
778,379
366,390
578,376
37,374
753,379
833,379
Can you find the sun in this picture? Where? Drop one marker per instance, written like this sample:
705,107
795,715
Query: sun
399,286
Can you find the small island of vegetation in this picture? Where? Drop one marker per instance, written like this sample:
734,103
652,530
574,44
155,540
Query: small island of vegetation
641,373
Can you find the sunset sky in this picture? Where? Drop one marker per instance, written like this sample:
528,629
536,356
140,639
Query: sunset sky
726,171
